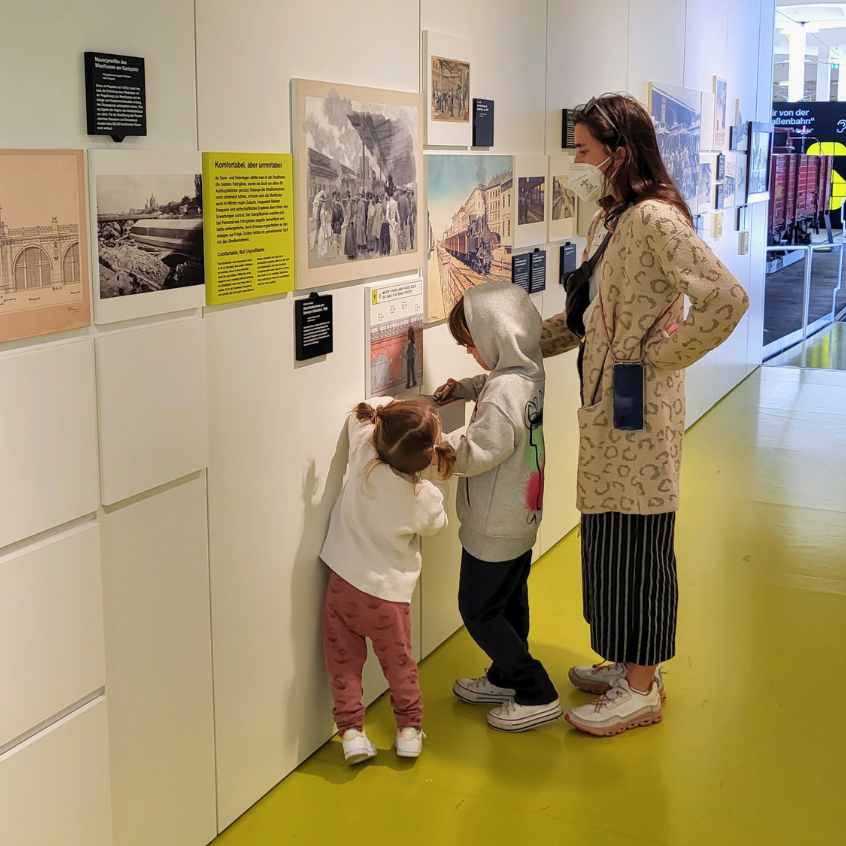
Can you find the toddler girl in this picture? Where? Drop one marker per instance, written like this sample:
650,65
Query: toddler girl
373,552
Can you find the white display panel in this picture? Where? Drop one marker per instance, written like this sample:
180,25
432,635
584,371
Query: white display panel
127,189
158,668
448,76
48,438
54,788
51,628
42,53
152,386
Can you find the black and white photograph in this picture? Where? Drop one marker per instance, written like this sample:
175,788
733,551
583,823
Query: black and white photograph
677,125
450,90
760,144
563,200
530,199
704,202
362,179
149,233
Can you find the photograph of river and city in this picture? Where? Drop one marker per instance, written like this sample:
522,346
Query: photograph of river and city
149,233
471,226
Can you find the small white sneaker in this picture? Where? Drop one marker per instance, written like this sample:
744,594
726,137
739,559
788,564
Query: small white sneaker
409,742
599,678
511,716
357,747
617,710
480,691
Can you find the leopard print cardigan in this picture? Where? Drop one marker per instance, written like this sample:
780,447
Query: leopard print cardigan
653,261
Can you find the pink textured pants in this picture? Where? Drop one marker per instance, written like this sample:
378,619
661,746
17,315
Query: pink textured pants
350,616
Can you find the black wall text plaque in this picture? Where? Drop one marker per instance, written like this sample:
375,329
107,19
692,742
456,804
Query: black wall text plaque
313,326
115,95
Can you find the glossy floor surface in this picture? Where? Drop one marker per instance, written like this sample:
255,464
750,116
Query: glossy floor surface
824,351
752,746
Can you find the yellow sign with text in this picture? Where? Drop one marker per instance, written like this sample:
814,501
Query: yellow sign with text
248,225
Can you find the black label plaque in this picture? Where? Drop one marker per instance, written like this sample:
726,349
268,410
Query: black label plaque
521,271
115,95
567,261
568,129
538,272
483,123
313,326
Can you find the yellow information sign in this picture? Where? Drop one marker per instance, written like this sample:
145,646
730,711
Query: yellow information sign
248,225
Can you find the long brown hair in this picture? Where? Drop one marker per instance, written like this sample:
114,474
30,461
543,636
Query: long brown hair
458,327
621,122
408,436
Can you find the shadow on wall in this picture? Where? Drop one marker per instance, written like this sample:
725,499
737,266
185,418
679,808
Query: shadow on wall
307,696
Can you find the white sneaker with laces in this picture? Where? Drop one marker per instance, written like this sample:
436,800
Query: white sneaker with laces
511,716
410,742
357,747
619,709
599,678
480,691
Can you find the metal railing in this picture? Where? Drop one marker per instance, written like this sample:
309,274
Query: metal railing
781,344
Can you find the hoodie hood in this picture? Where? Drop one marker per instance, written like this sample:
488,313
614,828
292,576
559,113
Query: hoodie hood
506,328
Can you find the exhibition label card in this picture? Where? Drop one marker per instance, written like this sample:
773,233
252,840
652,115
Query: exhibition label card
249,227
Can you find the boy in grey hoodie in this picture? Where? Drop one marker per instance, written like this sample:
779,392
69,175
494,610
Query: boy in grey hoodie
500,457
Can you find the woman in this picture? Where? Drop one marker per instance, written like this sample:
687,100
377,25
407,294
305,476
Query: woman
630,445
393,219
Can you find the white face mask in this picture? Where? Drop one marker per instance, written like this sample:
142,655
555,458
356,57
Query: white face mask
587,181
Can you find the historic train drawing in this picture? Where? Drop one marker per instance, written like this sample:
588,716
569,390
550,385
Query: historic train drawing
473,245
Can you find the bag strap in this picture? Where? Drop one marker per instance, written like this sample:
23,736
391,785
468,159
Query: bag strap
595,258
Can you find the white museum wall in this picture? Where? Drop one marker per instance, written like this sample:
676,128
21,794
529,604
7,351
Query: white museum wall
214,580
50,446
158,667
54,787
51,628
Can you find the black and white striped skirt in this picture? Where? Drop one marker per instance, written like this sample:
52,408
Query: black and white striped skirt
630,586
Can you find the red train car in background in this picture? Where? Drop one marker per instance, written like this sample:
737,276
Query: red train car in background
800,193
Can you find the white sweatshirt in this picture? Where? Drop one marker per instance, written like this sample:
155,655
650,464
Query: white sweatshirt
374,532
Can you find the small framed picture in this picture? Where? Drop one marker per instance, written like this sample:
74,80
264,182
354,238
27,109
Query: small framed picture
760,146
721,167
739,138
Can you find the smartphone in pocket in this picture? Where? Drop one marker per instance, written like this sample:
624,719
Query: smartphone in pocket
629,385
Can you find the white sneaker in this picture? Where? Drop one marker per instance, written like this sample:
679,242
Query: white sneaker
409,742
511,716
599,678
480,691
357,747
617,710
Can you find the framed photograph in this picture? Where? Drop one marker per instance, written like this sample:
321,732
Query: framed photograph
760,145
720,137
739,138
736,171
471,221
531,199
704,193
721,166
358,168
676,113
447,97
45,282
147,216
564,205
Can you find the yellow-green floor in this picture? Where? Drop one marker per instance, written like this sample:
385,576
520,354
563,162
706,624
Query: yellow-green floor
752,749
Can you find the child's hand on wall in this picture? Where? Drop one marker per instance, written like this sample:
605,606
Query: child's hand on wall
446,392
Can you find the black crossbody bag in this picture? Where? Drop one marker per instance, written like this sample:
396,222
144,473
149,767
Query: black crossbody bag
577,288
